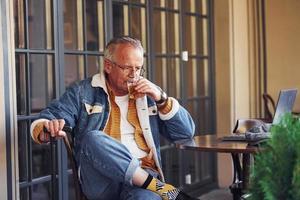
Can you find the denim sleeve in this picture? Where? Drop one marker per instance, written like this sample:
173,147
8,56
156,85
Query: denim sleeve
180,126
67,107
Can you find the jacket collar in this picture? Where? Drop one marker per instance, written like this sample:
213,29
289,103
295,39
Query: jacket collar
98,80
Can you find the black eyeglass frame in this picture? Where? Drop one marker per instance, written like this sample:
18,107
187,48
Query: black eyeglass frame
129,69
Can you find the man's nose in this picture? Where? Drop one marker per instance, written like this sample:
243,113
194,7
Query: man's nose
133,72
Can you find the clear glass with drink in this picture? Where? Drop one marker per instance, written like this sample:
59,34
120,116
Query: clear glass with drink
131,83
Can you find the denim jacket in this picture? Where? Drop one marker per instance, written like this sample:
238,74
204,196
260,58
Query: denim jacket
86,107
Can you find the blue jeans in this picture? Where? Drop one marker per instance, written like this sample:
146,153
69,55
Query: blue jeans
106,170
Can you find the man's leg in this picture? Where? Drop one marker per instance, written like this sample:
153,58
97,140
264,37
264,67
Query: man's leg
112,160
104,163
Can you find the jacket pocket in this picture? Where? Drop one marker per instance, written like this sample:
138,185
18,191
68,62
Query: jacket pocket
92,109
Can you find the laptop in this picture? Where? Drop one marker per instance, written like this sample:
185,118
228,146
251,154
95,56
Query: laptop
284,105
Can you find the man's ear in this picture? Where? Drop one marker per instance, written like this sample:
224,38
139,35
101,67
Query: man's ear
107,66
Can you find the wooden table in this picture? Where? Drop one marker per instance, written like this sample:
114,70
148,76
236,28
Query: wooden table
238,150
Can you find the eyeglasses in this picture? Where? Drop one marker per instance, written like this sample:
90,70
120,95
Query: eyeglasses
128,69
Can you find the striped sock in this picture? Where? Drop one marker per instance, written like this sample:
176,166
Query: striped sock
166,191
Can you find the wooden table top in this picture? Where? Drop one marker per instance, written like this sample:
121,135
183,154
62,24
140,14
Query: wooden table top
211,143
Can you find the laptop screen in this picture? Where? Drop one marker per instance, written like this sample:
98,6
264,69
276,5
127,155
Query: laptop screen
285,103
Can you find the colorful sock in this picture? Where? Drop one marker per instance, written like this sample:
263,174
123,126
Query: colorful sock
166,191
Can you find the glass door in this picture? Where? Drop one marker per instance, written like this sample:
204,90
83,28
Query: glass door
60,42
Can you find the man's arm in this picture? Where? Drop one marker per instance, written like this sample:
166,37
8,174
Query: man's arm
176,123
56,115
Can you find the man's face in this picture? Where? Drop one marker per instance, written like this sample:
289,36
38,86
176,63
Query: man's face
125,56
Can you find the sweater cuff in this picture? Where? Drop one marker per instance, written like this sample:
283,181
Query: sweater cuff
36,128
174,109
166,107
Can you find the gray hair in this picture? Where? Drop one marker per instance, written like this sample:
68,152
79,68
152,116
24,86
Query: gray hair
111,46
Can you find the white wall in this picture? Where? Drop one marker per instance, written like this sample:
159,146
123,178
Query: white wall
236,67
283,46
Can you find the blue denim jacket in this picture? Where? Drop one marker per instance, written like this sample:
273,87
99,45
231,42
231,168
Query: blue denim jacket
86,107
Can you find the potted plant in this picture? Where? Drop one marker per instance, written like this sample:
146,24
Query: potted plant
276,171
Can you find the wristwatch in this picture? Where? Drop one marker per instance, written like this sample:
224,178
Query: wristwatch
163,97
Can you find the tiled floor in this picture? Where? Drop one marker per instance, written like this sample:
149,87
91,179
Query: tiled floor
218,194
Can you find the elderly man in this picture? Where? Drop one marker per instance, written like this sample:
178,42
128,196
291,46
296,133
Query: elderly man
116,135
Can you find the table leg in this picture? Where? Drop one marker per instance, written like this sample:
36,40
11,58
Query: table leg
240,175
236,186
246,170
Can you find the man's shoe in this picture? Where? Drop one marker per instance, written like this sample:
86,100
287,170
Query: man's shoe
184,196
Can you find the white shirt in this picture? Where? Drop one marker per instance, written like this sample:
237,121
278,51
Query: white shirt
127,130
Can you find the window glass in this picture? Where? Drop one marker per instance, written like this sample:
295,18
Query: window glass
138,24
161,73
120,20
173,33
94,25
23,150
195,6
170,166
173,77
160,39
73,25
197,77
137,1
74,69
171,4
19,21
205,115
24,193
21,83
197,35
197,170
40,24
94,65
41,160
41,81
42,191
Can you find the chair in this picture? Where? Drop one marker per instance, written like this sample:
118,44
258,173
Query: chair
243,125
68,141
269,105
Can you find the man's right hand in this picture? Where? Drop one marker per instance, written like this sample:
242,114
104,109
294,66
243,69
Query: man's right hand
54,128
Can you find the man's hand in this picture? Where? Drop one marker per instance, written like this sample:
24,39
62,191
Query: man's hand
54,127
145,87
